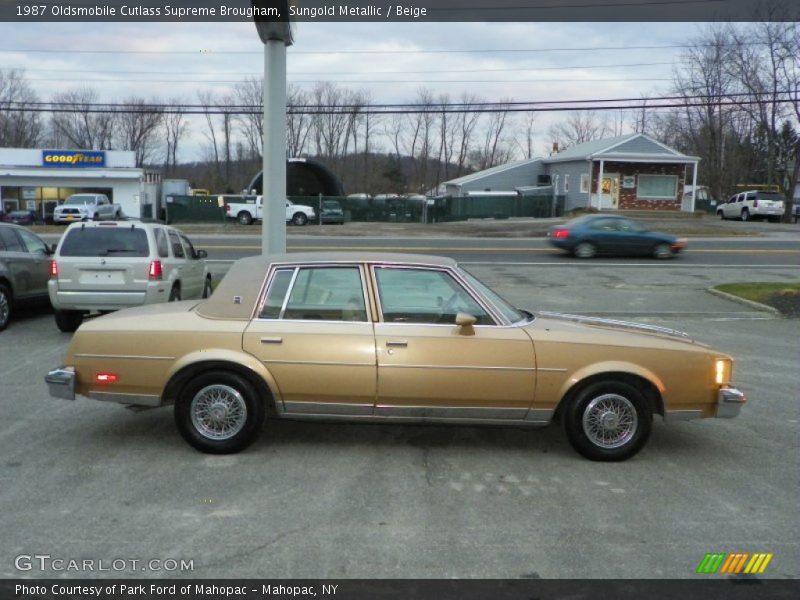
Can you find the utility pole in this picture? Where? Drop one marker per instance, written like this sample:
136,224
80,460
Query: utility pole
276,34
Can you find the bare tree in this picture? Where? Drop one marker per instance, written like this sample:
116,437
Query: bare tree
526,144
494,151
298,121
210,133
19,127
138,126
249,95
175,127
80,127
467,121
579,127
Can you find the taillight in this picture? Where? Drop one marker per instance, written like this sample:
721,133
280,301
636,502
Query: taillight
560,233
156,271
53,269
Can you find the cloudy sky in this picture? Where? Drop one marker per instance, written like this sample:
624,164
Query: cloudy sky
523,61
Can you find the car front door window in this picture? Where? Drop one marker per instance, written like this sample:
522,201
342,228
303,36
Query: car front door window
425,296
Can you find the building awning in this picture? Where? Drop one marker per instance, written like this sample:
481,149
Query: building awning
43,173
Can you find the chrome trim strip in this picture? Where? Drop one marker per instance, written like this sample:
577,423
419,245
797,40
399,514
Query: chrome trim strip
551,370
407,420
322,408
321,363
446,412
288,291
540,415
617,323
125,356
61,383
456,367
682,415
136,399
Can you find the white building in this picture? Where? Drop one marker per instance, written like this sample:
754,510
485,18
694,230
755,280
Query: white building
39,179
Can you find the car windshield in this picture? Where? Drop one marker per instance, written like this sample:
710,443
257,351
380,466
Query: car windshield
105,241
508,311
78,200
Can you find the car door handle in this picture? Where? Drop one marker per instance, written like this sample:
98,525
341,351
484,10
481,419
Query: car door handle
396,343
271,340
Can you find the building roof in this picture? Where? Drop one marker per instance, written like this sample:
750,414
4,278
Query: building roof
492,171
634,146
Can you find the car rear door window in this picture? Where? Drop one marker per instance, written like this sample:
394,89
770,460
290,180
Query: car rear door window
188,245
10,240
32,243
105,241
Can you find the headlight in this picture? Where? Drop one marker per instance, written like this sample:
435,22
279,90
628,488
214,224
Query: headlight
722,371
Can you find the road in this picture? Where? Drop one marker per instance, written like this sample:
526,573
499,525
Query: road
729,252
85,479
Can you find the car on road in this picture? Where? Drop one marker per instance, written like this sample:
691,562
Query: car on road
394,338
24,269
592,235
753,204
111,265
331,212
86,207
20,217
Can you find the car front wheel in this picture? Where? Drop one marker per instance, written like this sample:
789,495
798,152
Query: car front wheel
207,288
721,214
219,412
68,320
585,250
299,219
608,421
662,251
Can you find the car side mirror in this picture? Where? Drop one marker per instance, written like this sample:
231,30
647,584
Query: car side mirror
465,322
202,254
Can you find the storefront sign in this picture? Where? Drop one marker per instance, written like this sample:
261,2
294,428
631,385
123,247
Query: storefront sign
29,193
629,181
73,158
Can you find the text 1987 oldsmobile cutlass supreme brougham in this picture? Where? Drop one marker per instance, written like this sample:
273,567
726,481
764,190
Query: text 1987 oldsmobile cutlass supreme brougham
390,338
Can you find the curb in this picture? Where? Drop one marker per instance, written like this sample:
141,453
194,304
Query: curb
745,301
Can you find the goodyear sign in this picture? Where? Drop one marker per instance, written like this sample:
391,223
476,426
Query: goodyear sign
73,158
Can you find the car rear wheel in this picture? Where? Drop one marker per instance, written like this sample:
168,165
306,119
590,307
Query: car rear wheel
244,217
5,306
608,421
585,250
68,320
662,251
299,219
745,215
175,293
219,412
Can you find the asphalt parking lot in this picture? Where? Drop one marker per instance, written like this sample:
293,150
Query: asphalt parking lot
87,480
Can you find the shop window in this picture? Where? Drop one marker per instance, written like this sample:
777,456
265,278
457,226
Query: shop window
584,183
658,187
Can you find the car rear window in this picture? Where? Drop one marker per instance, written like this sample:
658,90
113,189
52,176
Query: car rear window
769,196
105,241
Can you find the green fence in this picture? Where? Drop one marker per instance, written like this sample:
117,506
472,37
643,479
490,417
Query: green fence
206,209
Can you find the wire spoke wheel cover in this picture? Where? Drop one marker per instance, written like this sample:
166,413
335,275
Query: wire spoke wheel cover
218,412
610,421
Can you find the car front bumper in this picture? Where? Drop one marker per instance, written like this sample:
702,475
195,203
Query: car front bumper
729,403
61,383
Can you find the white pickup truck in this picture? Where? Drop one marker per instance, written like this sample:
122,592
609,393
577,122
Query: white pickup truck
86,207
250,209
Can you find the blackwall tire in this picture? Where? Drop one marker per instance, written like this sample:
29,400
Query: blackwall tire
68,320
244,218
608,421
299,219
5,306
219,412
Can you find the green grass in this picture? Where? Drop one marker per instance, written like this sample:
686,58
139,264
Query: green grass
759,292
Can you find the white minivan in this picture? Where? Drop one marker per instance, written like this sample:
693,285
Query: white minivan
107,266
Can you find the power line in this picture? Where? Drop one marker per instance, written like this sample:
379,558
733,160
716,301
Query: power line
359,81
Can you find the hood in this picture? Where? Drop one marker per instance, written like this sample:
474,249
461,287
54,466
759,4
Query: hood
615,325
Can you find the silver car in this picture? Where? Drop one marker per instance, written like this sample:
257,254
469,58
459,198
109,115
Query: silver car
112,265
24,269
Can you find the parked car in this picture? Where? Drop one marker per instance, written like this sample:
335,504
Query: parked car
24,269
590,235
86,207
752,204
390,338
331,212
108,266
20,217
250,209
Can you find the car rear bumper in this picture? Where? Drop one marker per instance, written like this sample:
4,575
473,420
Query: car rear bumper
767,212
62,300
61,383
729,403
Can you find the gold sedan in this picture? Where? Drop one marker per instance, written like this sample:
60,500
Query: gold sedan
390,338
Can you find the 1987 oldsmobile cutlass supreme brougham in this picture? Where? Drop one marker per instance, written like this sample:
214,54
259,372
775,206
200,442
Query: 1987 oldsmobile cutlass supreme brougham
390,338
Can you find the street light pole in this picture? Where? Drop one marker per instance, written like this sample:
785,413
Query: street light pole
274,28
273,226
